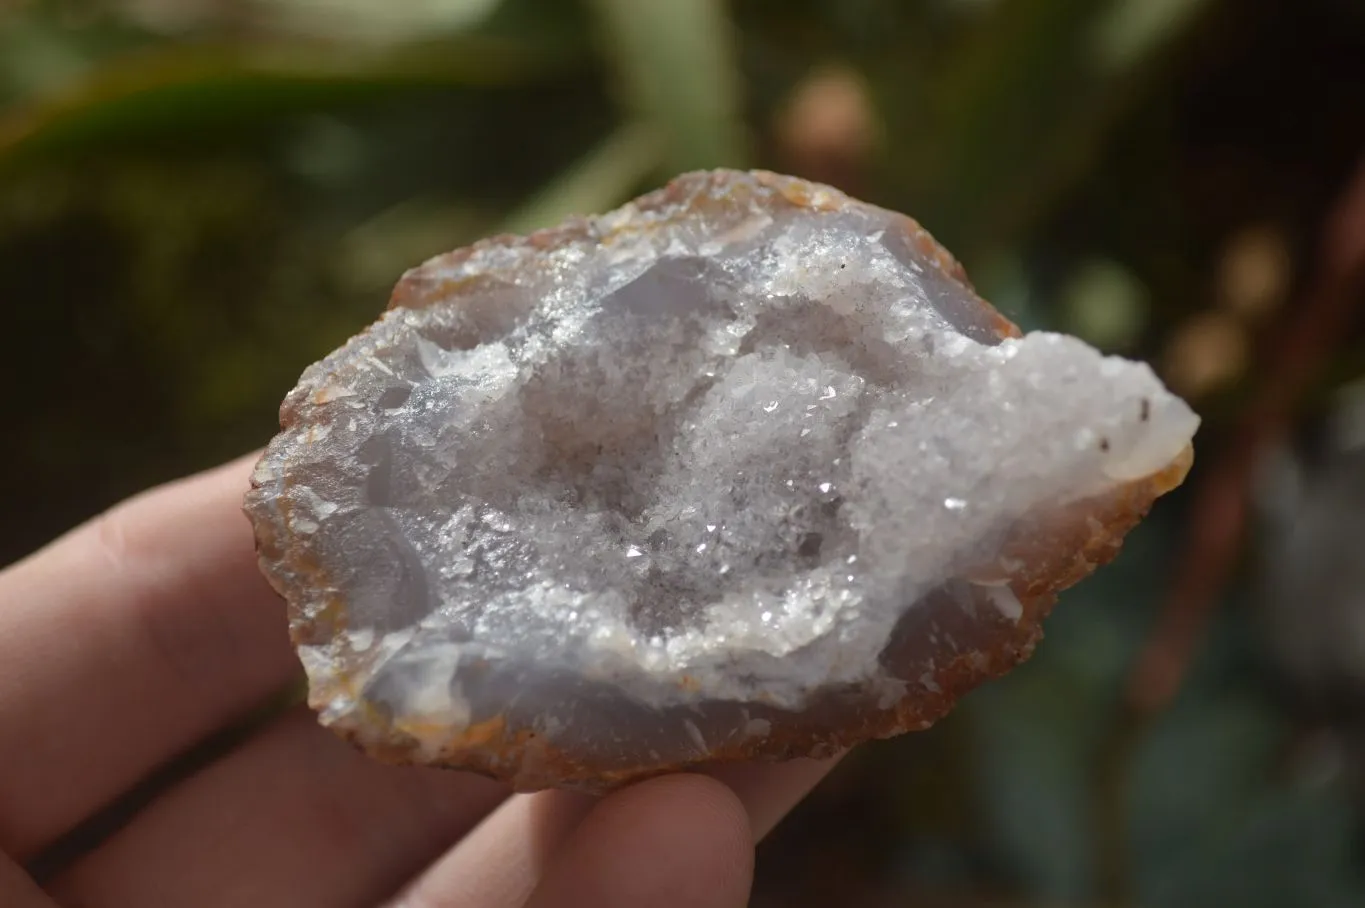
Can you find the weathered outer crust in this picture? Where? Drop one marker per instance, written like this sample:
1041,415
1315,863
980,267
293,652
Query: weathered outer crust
1082,538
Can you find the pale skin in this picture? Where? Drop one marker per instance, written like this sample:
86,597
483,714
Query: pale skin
147,630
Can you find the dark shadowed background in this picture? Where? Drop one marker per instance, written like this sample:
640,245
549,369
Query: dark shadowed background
200,197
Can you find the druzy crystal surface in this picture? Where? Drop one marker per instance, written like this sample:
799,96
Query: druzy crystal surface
744,469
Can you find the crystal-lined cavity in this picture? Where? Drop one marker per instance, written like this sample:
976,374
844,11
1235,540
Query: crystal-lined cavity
742,469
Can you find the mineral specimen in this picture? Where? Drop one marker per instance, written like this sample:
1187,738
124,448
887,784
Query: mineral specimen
743,469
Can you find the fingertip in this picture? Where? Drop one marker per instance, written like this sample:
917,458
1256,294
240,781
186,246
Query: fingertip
709,810
770,790
678,841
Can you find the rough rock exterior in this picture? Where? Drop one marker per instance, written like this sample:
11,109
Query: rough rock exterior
743,469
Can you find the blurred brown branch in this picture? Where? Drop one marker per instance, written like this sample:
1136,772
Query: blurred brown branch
1296,350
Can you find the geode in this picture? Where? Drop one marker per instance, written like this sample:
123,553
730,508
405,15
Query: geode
741,470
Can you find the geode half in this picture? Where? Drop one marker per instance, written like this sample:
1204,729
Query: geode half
742,470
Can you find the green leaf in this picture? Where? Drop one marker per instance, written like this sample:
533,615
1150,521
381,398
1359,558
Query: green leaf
36,57
1022,107
604,178
1132,29
367,22
179,90
677,62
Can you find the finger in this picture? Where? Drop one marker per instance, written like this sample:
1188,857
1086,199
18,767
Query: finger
770,790
679,841
294,817
499,864
125,642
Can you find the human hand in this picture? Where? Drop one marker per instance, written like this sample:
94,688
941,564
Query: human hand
145,632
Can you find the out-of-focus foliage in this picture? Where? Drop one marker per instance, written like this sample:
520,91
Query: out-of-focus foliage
199,197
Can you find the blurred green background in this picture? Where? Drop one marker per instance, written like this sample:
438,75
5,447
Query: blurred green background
200,197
